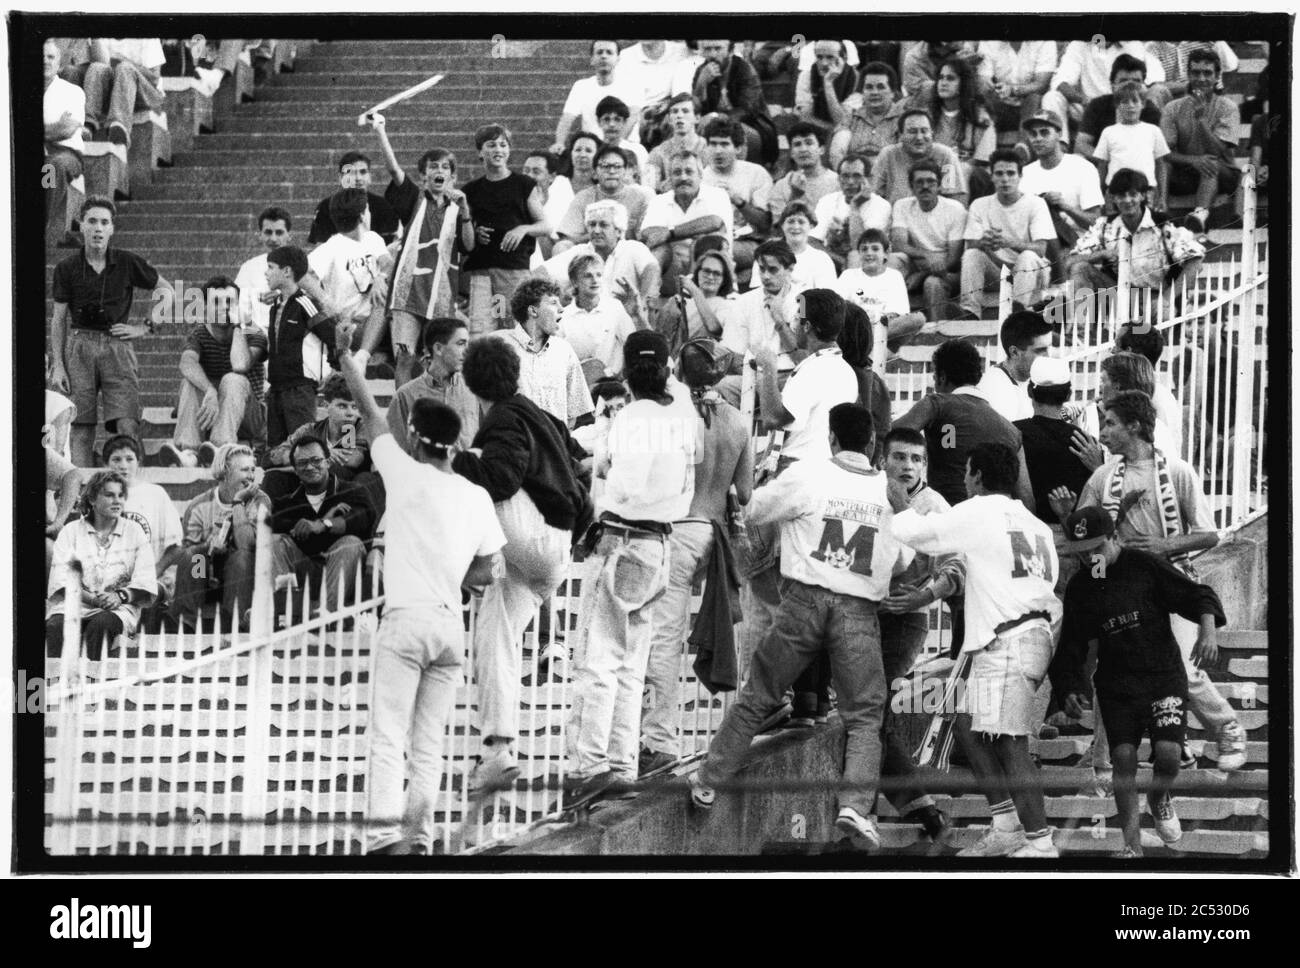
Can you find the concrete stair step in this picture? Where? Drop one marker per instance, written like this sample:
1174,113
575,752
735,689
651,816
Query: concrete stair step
1254,640
963,809
1069,747
1256,668
896,837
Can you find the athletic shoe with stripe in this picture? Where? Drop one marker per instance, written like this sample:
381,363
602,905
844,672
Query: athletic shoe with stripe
996,843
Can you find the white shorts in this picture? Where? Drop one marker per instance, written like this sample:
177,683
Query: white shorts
1004,677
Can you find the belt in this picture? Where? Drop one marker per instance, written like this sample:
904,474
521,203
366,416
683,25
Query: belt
611,520
1027,617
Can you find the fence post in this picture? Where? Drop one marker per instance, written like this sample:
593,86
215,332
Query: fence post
1243,422
1122,305
66,759
252,838
1004,294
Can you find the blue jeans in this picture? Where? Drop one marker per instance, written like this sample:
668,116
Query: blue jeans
902,637
809,621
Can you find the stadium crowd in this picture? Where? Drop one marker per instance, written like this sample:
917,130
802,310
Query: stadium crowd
652,342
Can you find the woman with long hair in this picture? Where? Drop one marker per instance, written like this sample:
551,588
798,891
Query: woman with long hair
962,123
707,296
116,564
578,164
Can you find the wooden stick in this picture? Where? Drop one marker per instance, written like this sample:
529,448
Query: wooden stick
410,92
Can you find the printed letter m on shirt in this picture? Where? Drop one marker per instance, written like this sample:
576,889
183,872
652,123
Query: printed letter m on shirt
855,554
1036,560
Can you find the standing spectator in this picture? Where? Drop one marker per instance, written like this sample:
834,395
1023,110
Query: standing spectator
274,229
352,263
813,268
1119,372
443,537
682,136
836,555
649,470
291,399
873,119
626,260
320,528
134,65
445,341
91,351
523,457
1008,228
507,213
808,179
611,186
675,219
354,172
824,86
1099,113
727,84
437,218
220,528
578,159
345,442
550,374
612,115
705,304
1201,131
586,94
961,122
922,63
925,236
64,111
843,216
1026,337
149,506
1069,184
1084,74
1011,615
1169,411
595,324
223,382
747,184
556,192
1133,144
1014,76
893,167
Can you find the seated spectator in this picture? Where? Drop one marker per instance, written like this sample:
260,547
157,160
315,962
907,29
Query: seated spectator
507,211
878,289
1084,74
1201,131
64,110
683,135
1025,337
347,447
1260,130
891,174
1159,252
1014,75
578,160
824,86
613,117
320,527
149,506
87,74
747,184
220,528
1132,143
443,352
293,364
223,382
925,236
62,480
872,122
1174,59
1150,342
611,186
960,122
808,180
438,227
556,194
274,229
1068,184
626,260
703,305
776,63
352,264
655,70
595,323
688,211
727,84
586,93
1007,228
354,172
115,562
813,268
549,372
131,84
921,64
1253,107
1100,111
843,216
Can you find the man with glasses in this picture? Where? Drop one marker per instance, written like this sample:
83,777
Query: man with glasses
611,186
916,143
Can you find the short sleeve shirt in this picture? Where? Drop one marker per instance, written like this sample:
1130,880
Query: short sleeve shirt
748,180
214,356
77,285
932,230
1026,218
818,383
891,172
1179,125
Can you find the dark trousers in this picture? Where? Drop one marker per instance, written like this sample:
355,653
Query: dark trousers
96,630
287,409
901,639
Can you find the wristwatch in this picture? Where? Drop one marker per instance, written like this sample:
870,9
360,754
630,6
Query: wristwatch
123,597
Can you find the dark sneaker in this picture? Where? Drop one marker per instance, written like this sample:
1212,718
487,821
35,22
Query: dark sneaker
169,455
933,820
779,719
578,790
118,135
207,454
702,795
805,721
651,761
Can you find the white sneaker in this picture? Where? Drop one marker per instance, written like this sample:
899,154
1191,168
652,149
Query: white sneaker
1037,847
1166,821
496,769
862,831
702,795
1232,747
996,843
1103,784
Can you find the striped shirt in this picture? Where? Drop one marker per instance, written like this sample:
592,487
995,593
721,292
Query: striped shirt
214,356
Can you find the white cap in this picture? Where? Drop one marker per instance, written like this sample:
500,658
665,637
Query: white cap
1049,371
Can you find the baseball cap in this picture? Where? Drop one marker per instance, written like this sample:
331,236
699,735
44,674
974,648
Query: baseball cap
1049,372
702,363
645,344
1087,528
1043,117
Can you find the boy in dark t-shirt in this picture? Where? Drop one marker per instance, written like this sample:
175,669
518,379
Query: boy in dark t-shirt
1121,599
291,399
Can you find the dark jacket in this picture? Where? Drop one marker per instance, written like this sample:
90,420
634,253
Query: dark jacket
525,447
713,634
288,509
745,100
856,341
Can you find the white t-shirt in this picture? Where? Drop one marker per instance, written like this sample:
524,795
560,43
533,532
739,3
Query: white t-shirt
874,213
437,524
148,505
626,262
750,181
587,93
1170,413
598,333
145,51
61,97
347,270
558,197
1026,218
1011,562
651,80
751,324
835,530
652,454
813,269
1135,146
818,383
1007,396
251,281
886,292
1075,178
664,212
932,230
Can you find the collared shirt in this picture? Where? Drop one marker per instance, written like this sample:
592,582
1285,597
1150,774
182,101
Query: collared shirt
1179,124
451,391
628,260
814,190
946,571
1005,394
819,382
634,198
251,281
147,52
651,79
597,333
61,97
870,135
552,376
125,562
1001,63
1088,66
79,286
1150,254
752,324
890,173
664,211
661,157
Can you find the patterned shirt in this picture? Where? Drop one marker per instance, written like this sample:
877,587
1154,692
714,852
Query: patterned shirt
125,562
550,377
